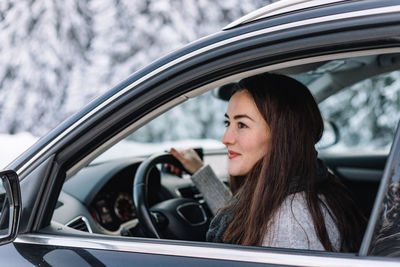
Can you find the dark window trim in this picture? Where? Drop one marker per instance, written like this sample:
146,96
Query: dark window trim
392,162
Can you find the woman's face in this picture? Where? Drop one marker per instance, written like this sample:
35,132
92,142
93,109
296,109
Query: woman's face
247,135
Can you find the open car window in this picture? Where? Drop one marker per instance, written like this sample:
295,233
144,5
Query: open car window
101,193
197,123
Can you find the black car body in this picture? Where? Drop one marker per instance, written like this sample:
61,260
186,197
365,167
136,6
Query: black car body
282,37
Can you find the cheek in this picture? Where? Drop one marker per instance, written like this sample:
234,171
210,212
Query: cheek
265,146
257,146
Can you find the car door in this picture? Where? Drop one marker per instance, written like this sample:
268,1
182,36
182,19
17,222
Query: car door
263,45
380,240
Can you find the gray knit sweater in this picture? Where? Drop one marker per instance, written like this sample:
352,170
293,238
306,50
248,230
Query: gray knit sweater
292,225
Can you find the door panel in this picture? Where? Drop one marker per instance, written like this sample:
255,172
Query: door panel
65,256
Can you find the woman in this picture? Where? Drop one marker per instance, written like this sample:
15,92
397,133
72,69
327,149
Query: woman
283,195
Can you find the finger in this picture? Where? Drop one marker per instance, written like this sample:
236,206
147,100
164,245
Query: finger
173,169
177,155
176,171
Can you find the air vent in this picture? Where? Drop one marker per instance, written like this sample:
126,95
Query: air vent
81,224
190,192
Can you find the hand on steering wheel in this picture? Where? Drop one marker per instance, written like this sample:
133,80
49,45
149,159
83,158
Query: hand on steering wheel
188,158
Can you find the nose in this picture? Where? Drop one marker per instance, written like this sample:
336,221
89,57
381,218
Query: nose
228,137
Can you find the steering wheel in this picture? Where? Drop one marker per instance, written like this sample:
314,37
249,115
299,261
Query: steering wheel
177,218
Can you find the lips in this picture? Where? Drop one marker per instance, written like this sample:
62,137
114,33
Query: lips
232,154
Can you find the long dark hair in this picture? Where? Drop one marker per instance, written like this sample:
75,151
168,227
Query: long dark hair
296,126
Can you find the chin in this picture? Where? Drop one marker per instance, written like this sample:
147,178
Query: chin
232,173
237,172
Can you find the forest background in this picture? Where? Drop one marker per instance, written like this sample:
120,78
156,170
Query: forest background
56,56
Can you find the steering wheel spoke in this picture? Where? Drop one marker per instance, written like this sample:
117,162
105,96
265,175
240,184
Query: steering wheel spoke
160,219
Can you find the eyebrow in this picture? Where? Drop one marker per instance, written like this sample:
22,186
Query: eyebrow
239,116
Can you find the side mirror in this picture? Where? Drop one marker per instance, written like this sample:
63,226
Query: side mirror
10,203
330,136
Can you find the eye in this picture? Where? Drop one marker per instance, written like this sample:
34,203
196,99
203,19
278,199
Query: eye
242,125
226,123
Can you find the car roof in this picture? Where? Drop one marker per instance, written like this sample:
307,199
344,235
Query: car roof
279,8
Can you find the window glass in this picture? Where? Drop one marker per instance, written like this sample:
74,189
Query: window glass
385,236
365,113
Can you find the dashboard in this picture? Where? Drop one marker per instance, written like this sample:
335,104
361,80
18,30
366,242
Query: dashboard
102,195
112,209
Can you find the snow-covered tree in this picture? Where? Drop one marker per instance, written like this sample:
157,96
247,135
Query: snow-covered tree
43,49
56,55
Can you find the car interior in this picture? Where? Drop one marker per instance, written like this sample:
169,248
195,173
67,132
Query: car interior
98,196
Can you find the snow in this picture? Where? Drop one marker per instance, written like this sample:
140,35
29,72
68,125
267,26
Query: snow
13,145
